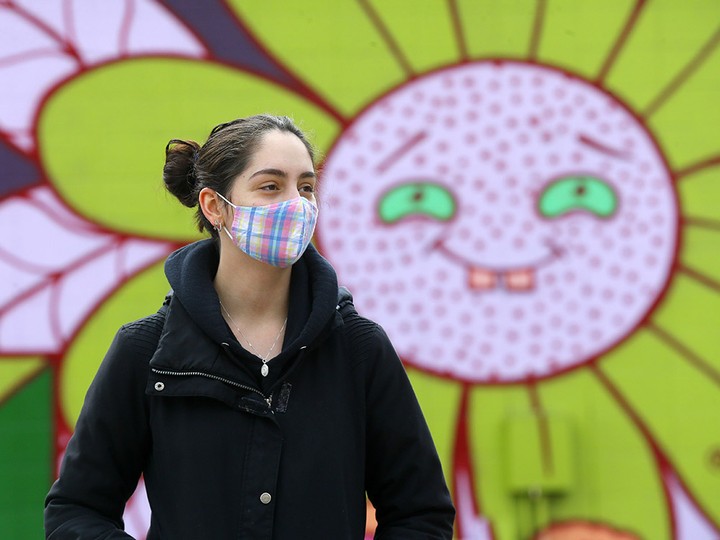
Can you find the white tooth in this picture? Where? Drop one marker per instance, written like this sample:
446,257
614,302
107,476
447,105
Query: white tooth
520,280
480,278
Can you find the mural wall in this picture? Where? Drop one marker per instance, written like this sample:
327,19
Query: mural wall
524,193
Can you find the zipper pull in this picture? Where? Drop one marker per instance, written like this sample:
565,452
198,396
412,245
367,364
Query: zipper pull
269,401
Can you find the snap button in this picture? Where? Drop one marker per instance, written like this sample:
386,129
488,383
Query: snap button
159,386
265,498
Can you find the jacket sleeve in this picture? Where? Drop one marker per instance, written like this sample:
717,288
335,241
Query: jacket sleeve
105,456
404,478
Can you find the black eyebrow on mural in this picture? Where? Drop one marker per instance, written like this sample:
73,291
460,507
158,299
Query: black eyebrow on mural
600,147
400,151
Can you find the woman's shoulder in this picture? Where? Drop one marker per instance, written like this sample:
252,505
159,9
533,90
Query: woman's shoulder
366,339
141,336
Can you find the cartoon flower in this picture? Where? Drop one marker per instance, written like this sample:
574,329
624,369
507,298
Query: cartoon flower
525,206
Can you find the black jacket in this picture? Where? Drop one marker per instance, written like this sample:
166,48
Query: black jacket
226,453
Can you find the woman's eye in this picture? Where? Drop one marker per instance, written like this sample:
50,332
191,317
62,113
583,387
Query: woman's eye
578,193
417,199
307,188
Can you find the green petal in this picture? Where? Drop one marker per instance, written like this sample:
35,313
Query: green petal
333,48
424,33
139,297
664,39
497,29
102,136
700,251
700,194
681,407
588,430
691,313
580,35
687,123
489,407
439,400
617,478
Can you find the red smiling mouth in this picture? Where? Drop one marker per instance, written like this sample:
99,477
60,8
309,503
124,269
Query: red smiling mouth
516,279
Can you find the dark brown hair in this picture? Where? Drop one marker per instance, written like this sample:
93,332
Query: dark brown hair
190,167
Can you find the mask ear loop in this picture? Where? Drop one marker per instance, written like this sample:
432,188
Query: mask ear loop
224,199
221,226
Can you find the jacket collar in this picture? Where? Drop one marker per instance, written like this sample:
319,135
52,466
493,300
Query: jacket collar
195,336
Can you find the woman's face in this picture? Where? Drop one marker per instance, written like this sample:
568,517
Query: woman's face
281,169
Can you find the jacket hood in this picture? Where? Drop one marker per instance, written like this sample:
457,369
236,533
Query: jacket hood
313,293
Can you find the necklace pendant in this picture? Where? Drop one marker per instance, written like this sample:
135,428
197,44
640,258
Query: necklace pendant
264,370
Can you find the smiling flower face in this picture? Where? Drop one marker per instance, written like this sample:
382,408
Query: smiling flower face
516,221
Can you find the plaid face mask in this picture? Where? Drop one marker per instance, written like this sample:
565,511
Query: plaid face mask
277,233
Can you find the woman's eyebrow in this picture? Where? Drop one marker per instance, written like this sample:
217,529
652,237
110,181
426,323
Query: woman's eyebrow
271,172
281,173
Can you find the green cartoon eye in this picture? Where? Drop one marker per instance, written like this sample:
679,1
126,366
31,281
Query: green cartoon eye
578,193
417,199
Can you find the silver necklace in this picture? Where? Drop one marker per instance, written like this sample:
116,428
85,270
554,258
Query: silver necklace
264,370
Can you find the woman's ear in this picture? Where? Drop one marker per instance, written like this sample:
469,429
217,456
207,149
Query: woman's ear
210,205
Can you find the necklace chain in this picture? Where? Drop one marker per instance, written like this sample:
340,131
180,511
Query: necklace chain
264,370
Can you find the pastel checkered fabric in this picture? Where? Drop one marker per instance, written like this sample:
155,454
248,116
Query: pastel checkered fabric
276,234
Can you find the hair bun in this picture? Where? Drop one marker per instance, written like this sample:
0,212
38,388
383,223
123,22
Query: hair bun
179,170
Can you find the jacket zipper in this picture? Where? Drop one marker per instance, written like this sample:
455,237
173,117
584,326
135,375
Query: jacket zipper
268,399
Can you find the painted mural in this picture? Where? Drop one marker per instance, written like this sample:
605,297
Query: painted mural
524,193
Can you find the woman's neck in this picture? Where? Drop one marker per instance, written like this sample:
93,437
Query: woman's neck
250,289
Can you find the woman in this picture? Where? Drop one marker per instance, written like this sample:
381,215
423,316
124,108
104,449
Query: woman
256,403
